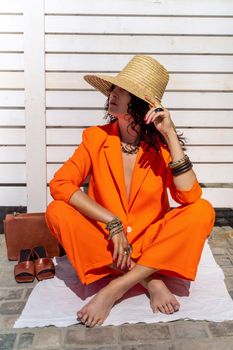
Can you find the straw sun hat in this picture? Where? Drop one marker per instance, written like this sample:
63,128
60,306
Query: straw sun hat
142,76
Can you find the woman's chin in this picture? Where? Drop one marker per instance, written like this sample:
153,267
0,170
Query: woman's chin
113,112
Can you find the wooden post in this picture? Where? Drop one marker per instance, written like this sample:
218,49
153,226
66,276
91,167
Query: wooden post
34,65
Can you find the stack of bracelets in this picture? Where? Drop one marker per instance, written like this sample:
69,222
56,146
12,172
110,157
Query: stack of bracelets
114,227
180,166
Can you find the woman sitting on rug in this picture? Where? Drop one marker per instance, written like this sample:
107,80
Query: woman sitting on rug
124,225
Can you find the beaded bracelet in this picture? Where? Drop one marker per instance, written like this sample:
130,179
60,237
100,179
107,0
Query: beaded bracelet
178,162
180,166
114,227
113,223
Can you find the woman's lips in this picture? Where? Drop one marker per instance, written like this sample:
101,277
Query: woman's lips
112,103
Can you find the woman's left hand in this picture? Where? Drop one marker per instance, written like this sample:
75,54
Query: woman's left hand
162,120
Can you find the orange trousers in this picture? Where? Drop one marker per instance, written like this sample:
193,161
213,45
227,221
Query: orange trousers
173,244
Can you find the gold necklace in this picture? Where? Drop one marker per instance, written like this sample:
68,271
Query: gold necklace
128,148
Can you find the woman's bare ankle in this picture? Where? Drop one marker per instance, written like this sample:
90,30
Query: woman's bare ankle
144,283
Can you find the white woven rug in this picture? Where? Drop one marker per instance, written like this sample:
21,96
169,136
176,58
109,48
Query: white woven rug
56,301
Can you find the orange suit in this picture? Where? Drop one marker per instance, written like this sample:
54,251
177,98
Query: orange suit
170,240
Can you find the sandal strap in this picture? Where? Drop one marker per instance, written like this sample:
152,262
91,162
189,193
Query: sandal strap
44,264
24,267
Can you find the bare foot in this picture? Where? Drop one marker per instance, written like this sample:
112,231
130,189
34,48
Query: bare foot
161,299
98,308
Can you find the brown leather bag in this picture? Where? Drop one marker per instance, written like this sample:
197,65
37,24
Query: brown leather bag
24,231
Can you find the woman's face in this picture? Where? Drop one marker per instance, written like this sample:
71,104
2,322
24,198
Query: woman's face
119,100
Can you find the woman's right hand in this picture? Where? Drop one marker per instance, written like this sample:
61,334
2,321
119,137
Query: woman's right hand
121,244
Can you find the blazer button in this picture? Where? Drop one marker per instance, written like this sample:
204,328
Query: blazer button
129,229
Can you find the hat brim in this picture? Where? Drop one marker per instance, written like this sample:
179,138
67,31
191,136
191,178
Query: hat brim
103,83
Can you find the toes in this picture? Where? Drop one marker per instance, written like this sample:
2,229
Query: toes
89,322
79,314
170,308
154,308
176,307
167,311
84,318
162,309
94,323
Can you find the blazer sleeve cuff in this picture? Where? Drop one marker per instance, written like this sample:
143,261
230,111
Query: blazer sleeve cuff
187,196
64,194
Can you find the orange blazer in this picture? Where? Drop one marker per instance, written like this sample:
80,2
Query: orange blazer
99,155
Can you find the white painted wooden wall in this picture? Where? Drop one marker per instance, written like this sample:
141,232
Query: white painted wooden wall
47,46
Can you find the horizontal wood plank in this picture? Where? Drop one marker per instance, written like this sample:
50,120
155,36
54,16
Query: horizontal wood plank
115,62
13,196
10,117
11,23
210,82
179,100
208,136
11,61
135,44
203,118
11,98
218,197
11,6
12,136
210,154
11,80
181,118
12,154
214,173
194,137
64,137
131,25
12,173
196,153
140,7
206,173
11,42
83,117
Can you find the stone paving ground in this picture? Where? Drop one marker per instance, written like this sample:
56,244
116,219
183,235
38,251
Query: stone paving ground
176,335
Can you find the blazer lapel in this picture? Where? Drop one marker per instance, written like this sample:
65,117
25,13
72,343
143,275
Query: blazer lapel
112,149
144,160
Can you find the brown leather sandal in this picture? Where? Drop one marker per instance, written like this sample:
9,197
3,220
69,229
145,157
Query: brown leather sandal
24,271
44,266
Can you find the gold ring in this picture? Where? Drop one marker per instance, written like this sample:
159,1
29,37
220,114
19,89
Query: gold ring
125,252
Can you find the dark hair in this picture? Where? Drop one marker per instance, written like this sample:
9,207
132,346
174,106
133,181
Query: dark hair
138,108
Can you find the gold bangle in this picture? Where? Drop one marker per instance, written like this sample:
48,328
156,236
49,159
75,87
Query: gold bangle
178,162
113,223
